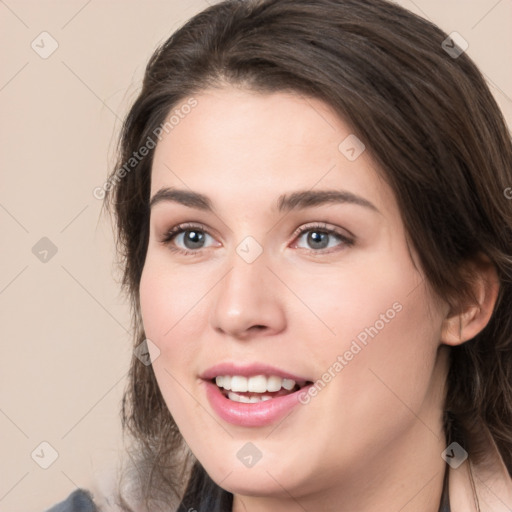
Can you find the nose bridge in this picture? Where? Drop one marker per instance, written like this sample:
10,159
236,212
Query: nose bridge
245,297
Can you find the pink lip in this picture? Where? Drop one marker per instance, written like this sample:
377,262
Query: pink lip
250,415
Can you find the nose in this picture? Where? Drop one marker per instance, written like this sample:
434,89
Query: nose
248,302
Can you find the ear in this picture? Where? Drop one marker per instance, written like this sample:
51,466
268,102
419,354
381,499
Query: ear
472,318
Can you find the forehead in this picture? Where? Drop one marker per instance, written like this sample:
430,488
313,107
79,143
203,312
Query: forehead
238,144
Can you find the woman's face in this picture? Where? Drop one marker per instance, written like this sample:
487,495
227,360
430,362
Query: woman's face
292,265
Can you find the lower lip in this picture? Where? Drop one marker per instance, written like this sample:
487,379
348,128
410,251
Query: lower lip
258,414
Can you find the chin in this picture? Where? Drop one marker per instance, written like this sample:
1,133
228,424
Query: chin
265,478
247,483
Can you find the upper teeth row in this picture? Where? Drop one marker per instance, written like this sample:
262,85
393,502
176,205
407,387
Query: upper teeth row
256,384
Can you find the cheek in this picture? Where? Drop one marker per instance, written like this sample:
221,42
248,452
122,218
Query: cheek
175,310
357,300
377,334
171,303
388,359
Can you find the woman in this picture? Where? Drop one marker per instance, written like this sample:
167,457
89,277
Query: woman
316,239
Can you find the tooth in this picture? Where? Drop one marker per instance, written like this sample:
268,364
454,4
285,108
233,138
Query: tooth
254,399
238,398
274,383
288,384
257,384
239,383
233,396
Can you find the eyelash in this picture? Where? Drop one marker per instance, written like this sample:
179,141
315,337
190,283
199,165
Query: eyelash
181,228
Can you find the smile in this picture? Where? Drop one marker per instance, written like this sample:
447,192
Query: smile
252,396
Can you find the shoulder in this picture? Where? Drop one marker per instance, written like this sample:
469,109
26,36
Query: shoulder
78,501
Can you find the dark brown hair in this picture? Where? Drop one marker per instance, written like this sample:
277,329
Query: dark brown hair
429,121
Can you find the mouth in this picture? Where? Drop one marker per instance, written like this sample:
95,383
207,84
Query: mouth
252,395
256,388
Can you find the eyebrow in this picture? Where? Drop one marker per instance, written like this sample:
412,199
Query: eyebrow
287,202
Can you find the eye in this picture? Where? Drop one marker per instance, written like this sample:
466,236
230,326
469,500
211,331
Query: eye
190,238
319,237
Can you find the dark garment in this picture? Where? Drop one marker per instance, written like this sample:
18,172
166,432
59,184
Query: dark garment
78,501
445,499
212,498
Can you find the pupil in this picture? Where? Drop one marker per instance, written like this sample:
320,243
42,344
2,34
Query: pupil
315,238
194,237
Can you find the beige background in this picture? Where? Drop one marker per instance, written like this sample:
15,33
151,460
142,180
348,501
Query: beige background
64,326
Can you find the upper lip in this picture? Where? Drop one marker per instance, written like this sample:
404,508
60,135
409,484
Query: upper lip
249,370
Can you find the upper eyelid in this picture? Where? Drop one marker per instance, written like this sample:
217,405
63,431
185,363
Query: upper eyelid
185,226
325,227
